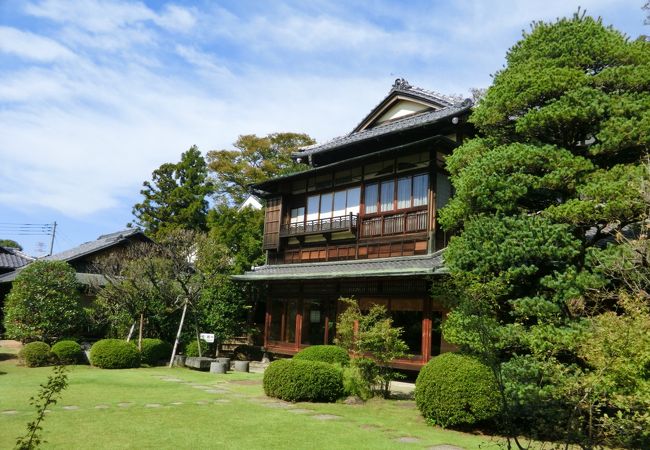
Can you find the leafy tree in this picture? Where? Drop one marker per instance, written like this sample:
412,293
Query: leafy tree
10,243
254,159
240,232
43,303
555,175
371,334
176,196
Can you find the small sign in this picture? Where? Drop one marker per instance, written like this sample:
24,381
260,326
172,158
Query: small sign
207,337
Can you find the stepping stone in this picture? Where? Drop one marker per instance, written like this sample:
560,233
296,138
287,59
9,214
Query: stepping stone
300,411
216,391
176,380
277,405
10,411
367,426
445,447
201,402
152,405
408,440
200,386
325,417
70,407
247,382
176,403
124,405
48,411
101,407
222,400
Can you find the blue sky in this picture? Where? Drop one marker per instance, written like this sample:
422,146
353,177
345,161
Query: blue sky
94,95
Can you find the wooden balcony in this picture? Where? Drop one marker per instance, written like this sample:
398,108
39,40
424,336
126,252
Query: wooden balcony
320,226
395,224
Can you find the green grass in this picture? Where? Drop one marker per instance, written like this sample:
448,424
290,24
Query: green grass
243,422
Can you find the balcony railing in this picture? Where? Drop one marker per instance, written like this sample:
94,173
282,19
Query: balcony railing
395,224
319,226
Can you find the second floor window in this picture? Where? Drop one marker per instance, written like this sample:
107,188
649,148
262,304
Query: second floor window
334,204
400,193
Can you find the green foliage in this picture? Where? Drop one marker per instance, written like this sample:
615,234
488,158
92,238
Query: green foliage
455,390
47,396
254,159
360,378
43,303
10,243
154,350
222,307
68,352
192,349
375,337
332,354
114,354
176,196
303,380
35,354
557,174
241,233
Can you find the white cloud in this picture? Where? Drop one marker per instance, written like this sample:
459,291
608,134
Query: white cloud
31,46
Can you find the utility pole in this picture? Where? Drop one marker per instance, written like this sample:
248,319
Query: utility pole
52,241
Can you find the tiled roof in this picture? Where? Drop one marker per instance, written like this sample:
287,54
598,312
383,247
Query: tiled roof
102,242
88,279
381,267
406,123
12,258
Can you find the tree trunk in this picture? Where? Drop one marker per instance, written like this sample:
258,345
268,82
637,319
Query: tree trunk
140,332
178,334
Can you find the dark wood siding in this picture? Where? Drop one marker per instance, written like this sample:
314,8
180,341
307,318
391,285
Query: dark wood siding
272,217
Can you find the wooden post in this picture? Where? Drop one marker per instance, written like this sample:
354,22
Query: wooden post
178,334
140,332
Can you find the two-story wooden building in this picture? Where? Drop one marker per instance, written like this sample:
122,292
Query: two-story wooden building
362,223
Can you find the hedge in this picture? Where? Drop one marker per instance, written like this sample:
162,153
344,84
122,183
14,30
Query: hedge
154,350
296,380
114,354
332,354
68,352
35,354
192,349
454,389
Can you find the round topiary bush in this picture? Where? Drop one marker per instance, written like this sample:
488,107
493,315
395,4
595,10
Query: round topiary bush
154,350
68,352
114,354
35,354
332,354
454,389
296,380
192,349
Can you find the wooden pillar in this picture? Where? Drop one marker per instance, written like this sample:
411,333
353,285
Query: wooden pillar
426,330
267,317
299,306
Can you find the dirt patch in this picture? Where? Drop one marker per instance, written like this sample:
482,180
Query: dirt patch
14,345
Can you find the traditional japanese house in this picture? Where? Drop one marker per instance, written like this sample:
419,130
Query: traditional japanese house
361,222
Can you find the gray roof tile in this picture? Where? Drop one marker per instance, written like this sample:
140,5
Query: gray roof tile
102,242
381,267
12,258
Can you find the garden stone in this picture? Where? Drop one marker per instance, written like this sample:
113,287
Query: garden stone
325,417
179,360
445,447
408,440
241,366
226,361
218,367
353,400
199,363
70,407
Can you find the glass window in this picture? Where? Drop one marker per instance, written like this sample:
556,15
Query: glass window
371,199
420,189
443,190
298,215
353,200
387,195
326,206
312,207
404,193
339,203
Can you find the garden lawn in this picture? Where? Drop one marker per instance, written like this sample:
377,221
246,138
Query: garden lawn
180,408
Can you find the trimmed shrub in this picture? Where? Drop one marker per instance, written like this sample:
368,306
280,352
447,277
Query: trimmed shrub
114,354
296,380
68,352
332,354
154,351
454,389
192,349
35,354
355,384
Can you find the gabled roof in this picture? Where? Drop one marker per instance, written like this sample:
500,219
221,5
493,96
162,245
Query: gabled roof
380,267
103,242
12,258
402,90
406,123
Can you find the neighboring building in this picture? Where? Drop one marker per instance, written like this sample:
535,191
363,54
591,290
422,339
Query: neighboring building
12,259
250,202
362,222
